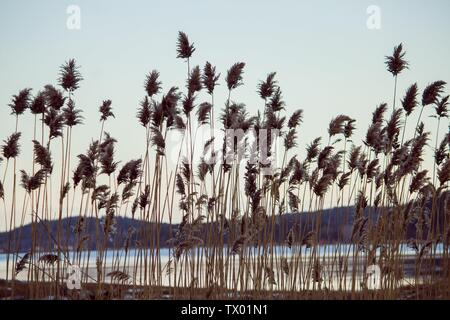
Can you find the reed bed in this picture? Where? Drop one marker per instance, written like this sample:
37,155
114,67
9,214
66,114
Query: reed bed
246,213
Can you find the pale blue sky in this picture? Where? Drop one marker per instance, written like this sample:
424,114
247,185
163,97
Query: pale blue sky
327,60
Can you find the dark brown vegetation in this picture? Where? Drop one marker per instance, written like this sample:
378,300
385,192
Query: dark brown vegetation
226,235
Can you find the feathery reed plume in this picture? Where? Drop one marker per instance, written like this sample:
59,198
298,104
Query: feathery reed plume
313,178
270,276
362,164
158,141
250,175
22,263
442,108
210,205
396,63
322,185
266,88
377,115
372,170
444,172
209,77
33,182
236,117
37,105
309,240
234,75
203,113
11,147
360,203
238,244
294,201
130,172
188,104
49,259
392,130
106,155
354,157
332,165
349,127
419,180
20,102
184,48
100,194
441,153
399,155
317,271
86,170
106,110
119,276
72,116
152,85
420,128
299,173
289,139
344,179
42,156
324,156
359,231
285,266
295,119
69,76
202,169
432,93
290,237
77,175
312,150
144,113
167,109
194,82
55,122
272,120
337,125
375,137
109,221
144,198
251,188
180,185
276,102
425,249
65,190
54,97
409,102
187,245
185,169
414,158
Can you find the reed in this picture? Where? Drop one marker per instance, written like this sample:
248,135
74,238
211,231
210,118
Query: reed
247,210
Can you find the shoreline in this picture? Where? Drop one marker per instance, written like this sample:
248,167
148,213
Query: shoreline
115,291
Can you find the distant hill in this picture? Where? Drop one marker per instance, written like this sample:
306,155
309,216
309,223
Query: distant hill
336,225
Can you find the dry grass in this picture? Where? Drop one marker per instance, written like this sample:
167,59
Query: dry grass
224,245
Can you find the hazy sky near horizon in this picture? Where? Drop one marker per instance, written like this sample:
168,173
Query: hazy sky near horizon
326,58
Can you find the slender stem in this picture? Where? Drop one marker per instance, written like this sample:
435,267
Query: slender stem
395,93
418,121
435,148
